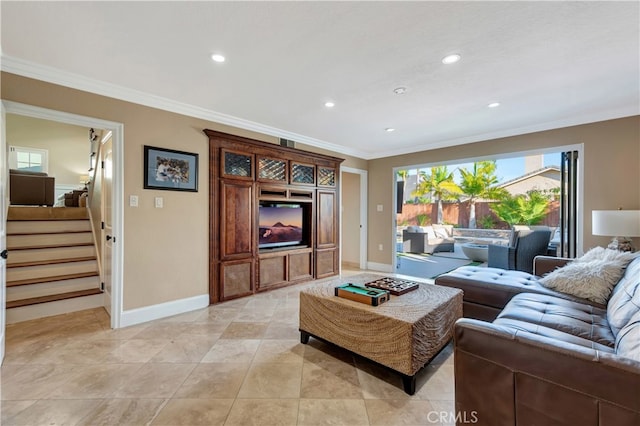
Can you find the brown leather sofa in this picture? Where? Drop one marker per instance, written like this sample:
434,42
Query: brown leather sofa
31,188
550,360
488,290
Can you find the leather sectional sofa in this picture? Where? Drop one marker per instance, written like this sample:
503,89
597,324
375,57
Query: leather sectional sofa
31,188
539,357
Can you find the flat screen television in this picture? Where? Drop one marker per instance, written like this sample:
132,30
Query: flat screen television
280,225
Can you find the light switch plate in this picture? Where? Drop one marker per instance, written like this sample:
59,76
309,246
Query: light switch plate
379,207
159,202
133,201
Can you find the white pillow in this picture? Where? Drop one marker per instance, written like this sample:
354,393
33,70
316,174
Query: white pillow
621,258
593,280
441,233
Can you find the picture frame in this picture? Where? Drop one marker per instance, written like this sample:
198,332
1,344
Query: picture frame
169,169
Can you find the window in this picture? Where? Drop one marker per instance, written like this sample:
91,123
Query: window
31,159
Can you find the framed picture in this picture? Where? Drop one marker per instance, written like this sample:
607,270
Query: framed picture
170,169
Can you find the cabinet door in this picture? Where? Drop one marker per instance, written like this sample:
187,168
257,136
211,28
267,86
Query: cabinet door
236,220
236,277
327,222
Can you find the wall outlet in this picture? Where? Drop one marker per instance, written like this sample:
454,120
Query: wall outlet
380,247
159,202
133,201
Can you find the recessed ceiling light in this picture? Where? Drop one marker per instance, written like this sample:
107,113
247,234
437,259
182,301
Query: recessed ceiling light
451,59
494,104
389,129
217,57
329,104
399,90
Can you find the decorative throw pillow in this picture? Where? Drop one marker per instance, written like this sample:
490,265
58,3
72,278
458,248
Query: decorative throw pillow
600,253
441,233
592,280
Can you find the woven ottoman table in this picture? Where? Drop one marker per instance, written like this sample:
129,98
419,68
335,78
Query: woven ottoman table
403,334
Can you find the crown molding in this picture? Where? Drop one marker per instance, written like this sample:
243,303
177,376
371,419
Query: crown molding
53,75
551,125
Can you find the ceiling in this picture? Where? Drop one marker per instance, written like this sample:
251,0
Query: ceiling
549,64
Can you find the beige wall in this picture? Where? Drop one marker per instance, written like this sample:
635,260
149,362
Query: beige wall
165,250
350,243
611,164
68,146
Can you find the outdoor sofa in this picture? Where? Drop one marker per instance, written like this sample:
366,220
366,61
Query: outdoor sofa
428,239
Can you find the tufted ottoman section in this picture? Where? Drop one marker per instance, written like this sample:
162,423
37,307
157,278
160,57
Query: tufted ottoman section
488,290
561,319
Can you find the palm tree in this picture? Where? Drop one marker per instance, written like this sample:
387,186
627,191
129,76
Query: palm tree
529,209
440,184
479,183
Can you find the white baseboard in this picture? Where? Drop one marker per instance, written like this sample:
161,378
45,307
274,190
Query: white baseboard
380,267
163,310
59,307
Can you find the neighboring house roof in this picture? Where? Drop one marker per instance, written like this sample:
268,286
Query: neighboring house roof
529,175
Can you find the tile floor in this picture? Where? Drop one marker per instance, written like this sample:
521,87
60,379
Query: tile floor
236,363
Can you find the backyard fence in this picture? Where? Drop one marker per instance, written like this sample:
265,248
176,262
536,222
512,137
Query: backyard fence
457,214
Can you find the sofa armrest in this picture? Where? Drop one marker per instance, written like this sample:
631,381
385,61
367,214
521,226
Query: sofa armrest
542,265
503,257
508,376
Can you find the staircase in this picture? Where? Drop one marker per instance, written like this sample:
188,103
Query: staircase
52,266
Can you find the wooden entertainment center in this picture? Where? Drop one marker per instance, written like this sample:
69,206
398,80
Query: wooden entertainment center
251,181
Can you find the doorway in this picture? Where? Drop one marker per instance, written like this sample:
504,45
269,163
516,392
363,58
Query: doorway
115,131
353,218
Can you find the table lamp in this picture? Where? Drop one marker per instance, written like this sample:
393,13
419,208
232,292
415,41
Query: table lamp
619,224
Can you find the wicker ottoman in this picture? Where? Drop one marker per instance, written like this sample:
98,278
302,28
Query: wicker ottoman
403,334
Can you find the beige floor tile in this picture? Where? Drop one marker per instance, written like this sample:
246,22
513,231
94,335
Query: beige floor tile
378,382
123,412
162,331
280,351
387,412
314,412
239,362
94,381
263,412
330,380
33,381
244,330
215,380
269,380
193,412
232,350
155,381
136,350
435,382
282,330
54,412
185,350
9,409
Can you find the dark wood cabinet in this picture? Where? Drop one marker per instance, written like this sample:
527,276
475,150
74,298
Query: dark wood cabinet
236,218
248,179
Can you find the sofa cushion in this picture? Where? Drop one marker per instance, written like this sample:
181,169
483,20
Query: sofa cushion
591,280
495,287
559,318
628,339
625,298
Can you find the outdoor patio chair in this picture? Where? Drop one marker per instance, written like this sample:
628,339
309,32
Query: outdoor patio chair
524,245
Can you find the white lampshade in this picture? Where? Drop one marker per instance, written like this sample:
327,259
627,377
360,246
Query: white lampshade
616,223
